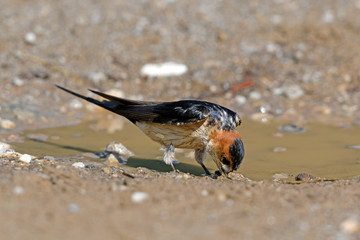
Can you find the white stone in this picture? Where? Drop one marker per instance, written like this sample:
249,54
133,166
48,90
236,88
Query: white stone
30,38
18,190
97,77
4,147
204,193
78,165
18,82
7,124
277,91
165,69
138,197
328,16
76,104
294,91
241,100
255,95
26,158
350,226
74,208
119,149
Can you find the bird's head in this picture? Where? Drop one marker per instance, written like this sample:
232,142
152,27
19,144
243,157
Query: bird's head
227,150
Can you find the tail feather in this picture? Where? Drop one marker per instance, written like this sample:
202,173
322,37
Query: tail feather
122,100
104,104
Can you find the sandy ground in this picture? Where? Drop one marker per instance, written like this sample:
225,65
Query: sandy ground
301,58
50,199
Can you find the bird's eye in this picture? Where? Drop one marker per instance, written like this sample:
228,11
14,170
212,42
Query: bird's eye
225,161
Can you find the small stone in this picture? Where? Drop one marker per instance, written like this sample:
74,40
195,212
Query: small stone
40,73
114,160
97,77
291,128
120,151
261,117
277,91
305,177
353,146
76,104
279,149
294,91
221,197
26,158
138,197
18,190
18,82
30,38
328,16
91,155
78,165
255,95
350,226
106,170
7,124
49,158
38,137
280,175
4,147
166,69
241,100
74,208
204,193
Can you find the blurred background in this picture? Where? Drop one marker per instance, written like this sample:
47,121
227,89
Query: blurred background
297,61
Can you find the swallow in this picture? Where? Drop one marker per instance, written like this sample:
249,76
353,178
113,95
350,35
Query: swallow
190,124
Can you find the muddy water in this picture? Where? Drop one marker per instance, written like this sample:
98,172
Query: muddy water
320,150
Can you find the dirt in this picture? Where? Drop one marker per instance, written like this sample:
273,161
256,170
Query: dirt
271,61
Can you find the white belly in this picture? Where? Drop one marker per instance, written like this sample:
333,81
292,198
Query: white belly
190,136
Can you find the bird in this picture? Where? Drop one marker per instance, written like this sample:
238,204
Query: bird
190,124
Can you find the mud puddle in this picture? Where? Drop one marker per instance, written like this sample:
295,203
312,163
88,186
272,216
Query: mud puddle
320,150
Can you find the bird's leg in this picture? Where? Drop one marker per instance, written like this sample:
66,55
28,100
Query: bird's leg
200,157
169,156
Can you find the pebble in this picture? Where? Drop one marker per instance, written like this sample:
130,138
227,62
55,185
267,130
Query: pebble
328,16
204,193
120,151
350,226
78,165
114,160
255,95
4,147
279,149
18,82
30,38
293,91
166,69
277,91
353,146
221,197
241,100
138,197
38,137
305,177
18,190
76,104
97,77
291,128
26,158
280,175
74,208
261,117
7,124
